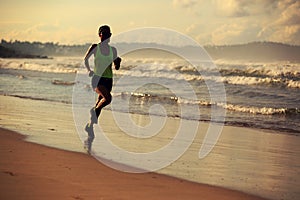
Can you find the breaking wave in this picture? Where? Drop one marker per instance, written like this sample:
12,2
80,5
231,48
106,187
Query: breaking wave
280,75
203,103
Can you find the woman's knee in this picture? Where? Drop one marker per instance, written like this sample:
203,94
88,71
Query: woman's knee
105,94
106,99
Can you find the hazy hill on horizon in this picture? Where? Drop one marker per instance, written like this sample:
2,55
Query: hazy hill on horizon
256,51
252,52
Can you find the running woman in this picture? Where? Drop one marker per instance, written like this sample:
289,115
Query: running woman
102,75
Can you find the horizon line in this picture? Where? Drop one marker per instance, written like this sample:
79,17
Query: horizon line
206,45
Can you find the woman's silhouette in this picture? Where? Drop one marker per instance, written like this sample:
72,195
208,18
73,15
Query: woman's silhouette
102,75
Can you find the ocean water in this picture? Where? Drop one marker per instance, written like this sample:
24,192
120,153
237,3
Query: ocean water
258,95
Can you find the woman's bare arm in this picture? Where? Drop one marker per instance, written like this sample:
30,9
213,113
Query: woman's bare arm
89,53
117,60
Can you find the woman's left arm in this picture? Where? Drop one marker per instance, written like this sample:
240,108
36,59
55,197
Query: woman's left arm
117,60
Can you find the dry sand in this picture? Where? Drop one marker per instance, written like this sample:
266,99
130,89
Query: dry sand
32,171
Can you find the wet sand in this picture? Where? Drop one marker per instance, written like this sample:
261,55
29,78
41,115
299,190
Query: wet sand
32,171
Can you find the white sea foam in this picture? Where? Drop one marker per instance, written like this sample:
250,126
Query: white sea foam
41,65
255,110
207,103
242,80
241,108
283,75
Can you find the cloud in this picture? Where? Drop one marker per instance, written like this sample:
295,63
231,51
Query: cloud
156,35
231,8
50,33
269,20
284,4
242,8
290,16
191,28
43,32
184,3
286,28
226,34
241,21
16,22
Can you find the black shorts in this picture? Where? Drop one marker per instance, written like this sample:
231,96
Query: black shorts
102,81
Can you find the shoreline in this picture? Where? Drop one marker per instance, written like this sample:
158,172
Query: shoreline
247,160
227,124
33,171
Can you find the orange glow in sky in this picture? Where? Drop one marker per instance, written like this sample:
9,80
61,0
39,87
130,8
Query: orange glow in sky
208,22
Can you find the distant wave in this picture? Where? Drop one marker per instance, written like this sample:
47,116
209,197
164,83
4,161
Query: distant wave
263,71
235,80
51,66
272,81
272,74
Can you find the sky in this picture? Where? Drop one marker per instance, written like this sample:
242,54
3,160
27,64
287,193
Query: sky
209,22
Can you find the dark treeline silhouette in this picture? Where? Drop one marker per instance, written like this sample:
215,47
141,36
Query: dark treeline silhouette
255,51
10,53
44,49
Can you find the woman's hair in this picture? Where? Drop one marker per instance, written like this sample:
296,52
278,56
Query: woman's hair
105,31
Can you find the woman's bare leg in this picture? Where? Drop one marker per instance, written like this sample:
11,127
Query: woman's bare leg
104,99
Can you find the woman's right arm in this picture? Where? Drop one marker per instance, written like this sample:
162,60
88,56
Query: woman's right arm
88,54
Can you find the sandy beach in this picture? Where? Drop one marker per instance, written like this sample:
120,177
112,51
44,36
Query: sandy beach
248,162
32,171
